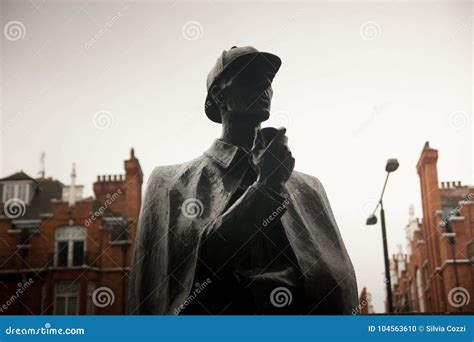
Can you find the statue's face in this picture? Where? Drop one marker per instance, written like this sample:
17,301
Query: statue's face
247,97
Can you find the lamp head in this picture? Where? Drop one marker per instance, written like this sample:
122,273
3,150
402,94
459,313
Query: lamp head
371,220
392,165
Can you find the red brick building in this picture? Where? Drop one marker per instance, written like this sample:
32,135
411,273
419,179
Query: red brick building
64,254
365,304
437,272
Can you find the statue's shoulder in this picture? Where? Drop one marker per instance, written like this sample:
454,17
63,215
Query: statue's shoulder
310,184
301,178
167,174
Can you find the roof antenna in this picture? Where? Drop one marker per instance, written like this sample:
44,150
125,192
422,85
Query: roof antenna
43,168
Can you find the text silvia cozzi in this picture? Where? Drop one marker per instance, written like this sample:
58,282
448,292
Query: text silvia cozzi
414,328
447,328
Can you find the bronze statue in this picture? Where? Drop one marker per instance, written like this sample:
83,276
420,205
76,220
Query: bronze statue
237,230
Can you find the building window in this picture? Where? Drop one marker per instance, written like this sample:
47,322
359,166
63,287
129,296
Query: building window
21,191
66,298
413,297
119,232
90,309
8,191
70,246
44,293
470,252
420,291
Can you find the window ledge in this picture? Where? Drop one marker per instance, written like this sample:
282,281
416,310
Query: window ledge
69,267
14,231
456,218
447,235
120,242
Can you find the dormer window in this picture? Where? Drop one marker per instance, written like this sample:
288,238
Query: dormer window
20,190
19,186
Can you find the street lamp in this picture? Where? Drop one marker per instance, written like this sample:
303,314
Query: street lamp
391,166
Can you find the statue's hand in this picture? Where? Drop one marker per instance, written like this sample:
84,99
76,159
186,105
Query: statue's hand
272,158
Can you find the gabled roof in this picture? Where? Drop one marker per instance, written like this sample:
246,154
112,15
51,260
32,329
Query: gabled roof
46,190
17,176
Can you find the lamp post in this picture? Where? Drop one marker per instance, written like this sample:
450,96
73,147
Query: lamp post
391,166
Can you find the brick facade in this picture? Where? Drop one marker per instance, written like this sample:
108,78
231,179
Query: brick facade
437,272
365,304
61,258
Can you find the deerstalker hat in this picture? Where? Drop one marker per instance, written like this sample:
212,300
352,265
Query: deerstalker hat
238,59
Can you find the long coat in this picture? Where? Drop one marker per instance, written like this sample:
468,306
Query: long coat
182,200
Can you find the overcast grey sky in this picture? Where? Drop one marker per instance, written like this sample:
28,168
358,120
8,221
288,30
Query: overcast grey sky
360,82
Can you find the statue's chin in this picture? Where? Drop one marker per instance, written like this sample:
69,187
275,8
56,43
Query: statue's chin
252,116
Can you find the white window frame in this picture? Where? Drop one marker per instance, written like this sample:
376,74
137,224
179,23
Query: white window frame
67,295
12,189
8,191
420,290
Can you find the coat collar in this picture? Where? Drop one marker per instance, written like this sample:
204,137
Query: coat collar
224,153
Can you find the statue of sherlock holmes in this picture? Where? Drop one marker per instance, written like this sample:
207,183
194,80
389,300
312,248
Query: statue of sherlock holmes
237,230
